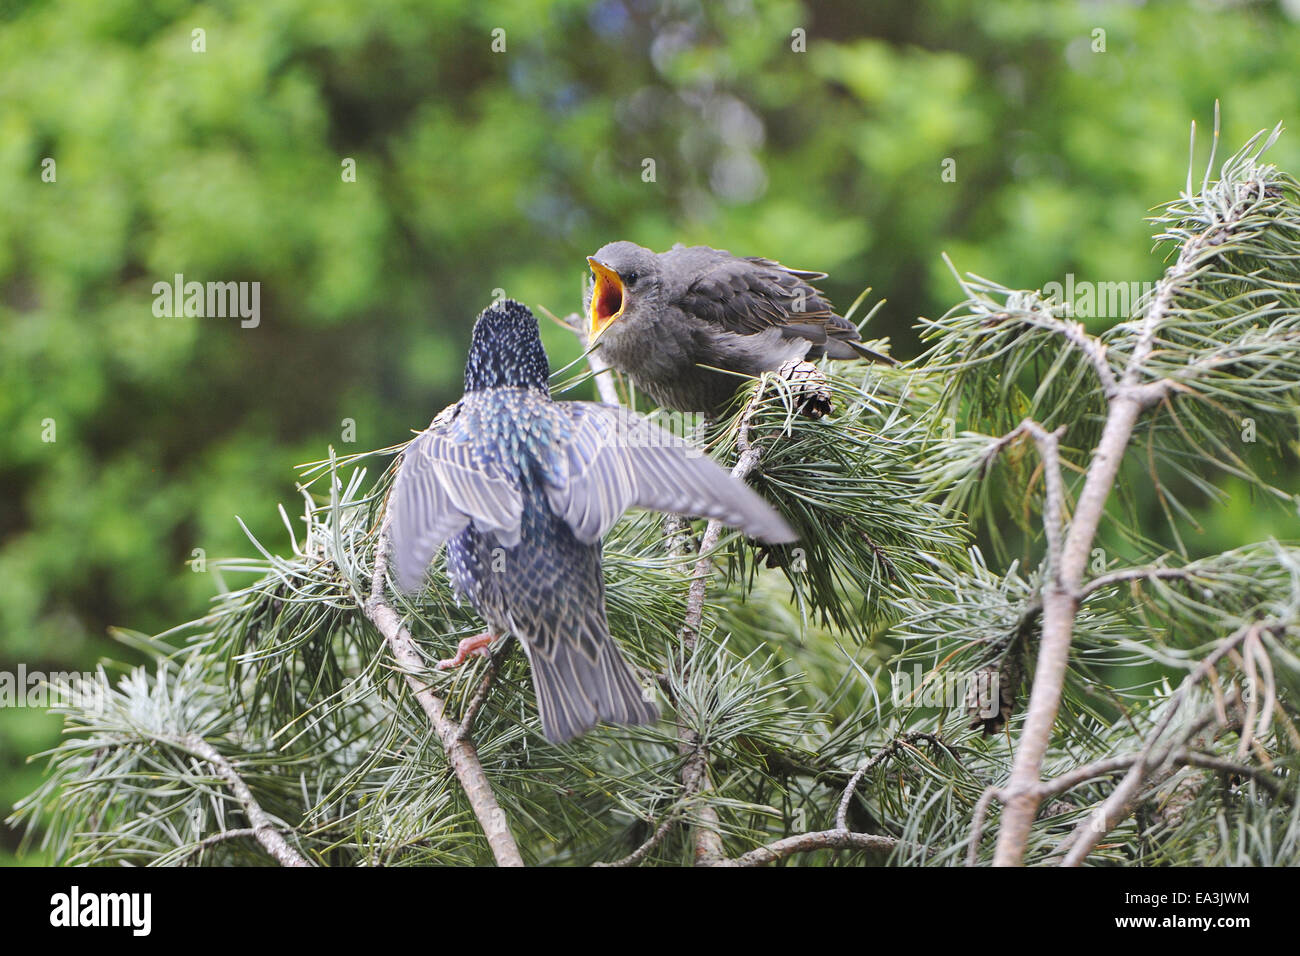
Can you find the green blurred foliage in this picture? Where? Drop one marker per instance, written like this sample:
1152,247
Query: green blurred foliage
478,170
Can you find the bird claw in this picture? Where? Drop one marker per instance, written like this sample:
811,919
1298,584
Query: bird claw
808,382
476,646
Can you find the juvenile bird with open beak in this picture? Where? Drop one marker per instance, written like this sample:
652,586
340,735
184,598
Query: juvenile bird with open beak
685,323
521,489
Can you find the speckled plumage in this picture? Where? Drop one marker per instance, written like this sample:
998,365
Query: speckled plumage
692,321
522,489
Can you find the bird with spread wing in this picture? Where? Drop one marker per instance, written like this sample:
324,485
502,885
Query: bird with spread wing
522,489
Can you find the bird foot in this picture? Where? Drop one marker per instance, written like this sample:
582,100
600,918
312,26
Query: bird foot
810,384
476,646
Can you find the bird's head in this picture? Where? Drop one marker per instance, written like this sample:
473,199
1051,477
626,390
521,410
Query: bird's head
505,350
628,280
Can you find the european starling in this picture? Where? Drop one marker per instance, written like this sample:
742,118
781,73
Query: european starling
522,489
678,322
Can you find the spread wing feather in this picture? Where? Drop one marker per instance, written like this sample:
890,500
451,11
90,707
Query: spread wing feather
615,460
442,486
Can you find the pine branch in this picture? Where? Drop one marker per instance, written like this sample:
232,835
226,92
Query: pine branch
1059,608
695,772
484,688
1192,758
881,755
264,830
806,842
648,847
1153,756
459,747
784,695
1126,402
208,842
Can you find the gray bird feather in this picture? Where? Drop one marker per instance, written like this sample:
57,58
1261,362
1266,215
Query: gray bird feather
521,489
615,460
611,460
440,489
680,321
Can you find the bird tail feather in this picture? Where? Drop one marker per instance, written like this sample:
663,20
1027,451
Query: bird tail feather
585,680
864,352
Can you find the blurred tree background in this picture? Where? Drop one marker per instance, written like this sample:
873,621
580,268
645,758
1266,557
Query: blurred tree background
479,169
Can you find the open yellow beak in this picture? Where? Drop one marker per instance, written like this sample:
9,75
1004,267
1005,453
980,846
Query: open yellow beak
606,299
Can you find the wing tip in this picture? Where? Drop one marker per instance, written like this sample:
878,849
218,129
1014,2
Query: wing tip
783,534
403,575
869,353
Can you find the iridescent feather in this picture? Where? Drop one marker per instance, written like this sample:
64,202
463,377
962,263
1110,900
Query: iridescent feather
522,489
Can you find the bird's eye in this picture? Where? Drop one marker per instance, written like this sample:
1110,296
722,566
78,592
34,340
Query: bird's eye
629,280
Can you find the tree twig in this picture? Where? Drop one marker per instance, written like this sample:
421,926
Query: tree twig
215,838
1059,608
748,456
804,842
1048,444
1135,574
695,786
1077,335
977,823
646,848
695,771
1081,775
265,831
1194,758
1130,396
881,755
1122,799
485,686
460,749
